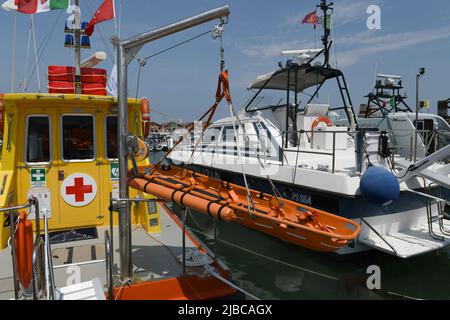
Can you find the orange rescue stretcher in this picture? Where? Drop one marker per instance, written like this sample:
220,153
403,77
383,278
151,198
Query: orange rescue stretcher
284,219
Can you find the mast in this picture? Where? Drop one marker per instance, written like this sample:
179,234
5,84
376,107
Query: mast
327,29
77,48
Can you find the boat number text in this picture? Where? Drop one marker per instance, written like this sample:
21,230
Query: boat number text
302,198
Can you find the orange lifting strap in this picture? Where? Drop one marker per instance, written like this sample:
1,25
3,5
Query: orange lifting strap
24,250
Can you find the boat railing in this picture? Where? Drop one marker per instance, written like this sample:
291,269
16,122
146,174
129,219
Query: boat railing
294,140
109,264
429,140
265,150
434,141
43,284
50,289
114,206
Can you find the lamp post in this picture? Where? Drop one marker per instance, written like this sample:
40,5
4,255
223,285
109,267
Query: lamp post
416,135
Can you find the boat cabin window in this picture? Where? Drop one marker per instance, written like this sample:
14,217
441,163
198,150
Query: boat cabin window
228,134
112,152
78,138
38,139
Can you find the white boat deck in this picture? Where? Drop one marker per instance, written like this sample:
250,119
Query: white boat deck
154,257
344,159
409,243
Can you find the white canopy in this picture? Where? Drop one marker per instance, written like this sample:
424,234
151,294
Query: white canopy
306,77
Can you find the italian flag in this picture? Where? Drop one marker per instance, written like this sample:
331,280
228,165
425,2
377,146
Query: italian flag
35,6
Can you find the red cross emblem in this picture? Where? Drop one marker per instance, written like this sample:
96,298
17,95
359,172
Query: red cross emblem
79,189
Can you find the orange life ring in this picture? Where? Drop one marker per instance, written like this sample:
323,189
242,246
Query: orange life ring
321,119
145,116
24,250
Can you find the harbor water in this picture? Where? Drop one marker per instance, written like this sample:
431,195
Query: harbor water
271,269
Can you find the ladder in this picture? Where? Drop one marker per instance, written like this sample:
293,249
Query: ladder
346,99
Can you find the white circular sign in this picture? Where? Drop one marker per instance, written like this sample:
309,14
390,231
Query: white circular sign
79,190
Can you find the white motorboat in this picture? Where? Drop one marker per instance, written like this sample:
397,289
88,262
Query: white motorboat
277,144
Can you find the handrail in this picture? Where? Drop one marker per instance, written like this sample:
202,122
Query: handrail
109,265
438,137
41,265
29,204
380,236
37,260
51,275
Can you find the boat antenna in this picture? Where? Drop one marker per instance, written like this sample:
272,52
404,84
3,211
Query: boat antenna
326,8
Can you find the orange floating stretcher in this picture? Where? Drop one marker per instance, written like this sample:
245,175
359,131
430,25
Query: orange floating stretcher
284,219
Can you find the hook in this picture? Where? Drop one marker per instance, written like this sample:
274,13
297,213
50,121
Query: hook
217,31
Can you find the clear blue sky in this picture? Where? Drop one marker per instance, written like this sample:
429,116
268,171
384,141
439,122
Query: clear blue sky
181,83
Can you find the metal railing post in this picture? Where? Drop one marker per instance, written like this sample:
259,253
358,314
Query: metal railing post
109,266
334,153
184,241
13,254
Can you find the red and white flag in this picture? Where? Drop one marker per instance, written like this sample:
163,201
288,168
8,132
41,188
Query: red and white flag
35,6
104,13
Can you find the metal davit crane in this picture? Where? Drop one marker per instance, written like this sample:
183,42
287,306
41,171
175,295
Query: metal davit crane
126,51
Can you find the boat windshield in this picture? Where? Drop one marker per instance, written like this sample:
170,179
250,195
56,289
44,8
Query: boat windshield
268,99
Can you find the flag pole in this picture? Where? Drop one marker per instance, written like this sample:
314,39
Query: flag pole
13,72
325,39
35,52
77,44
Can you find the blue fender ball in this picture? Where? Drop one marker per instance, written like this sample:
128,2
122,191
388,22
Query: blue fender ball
379,186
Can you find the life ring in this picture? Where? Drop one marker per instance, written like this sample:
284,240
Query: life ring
24,250
145,116
319,120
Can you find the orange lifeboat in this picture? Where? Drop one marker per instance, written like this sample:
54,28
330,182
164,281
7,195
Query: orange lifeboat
284,219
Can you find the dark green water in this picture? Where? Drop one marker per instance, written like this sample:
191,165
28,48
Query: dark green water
271,269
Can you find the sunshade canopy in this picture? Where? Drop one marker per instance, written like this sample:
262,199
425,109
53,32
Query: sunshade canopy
300,78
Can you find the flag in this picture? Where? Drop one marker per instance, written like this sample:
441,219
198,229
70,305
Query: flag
112,82
329,20
389,102
9,5
35,6
310,18
104,13
424,104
